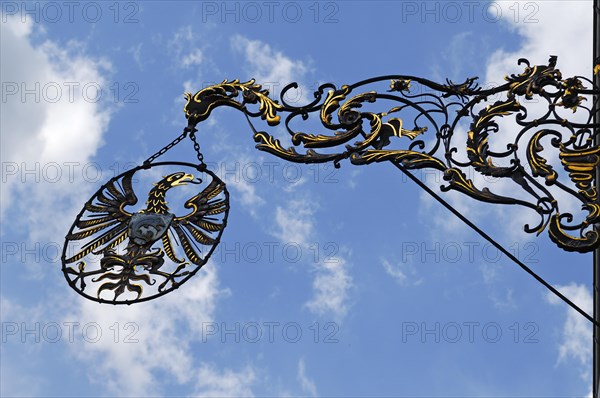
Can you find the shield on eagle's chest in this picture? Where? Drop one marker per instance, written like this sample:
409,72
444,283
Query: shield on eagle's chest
147,228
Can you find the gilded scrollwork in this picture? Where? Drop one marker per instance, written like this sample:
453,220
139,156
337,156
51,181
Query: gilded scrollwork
200,105
420,129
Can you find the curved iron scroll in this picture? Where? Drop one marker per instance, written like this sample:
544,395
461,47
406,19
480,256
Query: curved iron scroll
438,114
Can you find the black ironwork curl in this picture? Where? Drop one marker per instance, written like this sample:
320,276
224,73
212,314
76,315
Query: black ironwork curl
435,116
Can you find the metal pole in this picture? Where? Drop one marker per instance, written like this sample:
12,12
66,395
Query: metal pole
596,287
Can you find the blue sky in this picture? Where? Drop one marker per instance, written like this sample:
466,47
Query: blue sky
357,283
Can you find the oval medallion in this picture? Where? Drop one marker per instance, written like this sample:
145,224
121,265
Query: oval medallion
145,232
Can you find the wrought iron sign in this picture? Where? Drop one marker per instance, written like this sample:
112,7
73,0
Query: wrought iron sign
121,252
417,130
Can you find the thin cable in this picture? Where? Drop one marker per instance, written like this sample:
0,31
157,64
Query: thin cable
481,233
493,242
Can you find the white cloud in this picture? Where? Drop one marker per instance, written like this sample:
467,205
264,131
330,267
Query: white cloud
400,272
308,385
269,67
241,181
50,134
164,330
136,345
136,53
331,287
183,46
332,282
576,331
212,383
295,222
34,124
542,38
459,49
194,58
395,272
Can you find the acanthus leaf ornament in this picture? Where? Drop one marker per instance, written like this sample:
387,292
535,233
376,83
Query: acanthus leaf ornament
436,112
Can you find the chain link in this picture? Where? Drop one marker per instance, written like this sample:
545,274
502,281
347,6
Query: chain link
167,147
192,133
197,146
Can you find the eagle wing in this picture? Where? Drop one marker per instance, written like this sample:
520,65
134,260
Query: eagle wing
198,226
107,222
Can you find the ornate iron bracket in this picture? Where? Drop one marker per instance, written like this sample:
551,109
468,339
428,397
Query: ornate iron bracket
437,114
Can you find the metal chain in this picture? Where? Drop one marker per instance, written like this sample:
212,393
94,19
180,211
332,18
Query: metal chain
192,133
197,146
168,146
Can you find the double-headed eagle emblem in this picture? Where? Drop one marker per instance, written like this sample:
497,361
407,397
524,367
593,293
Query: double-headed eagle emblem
132,245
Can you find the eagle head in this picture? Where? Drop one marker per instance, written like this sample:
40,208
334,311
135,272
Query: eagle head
176,179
